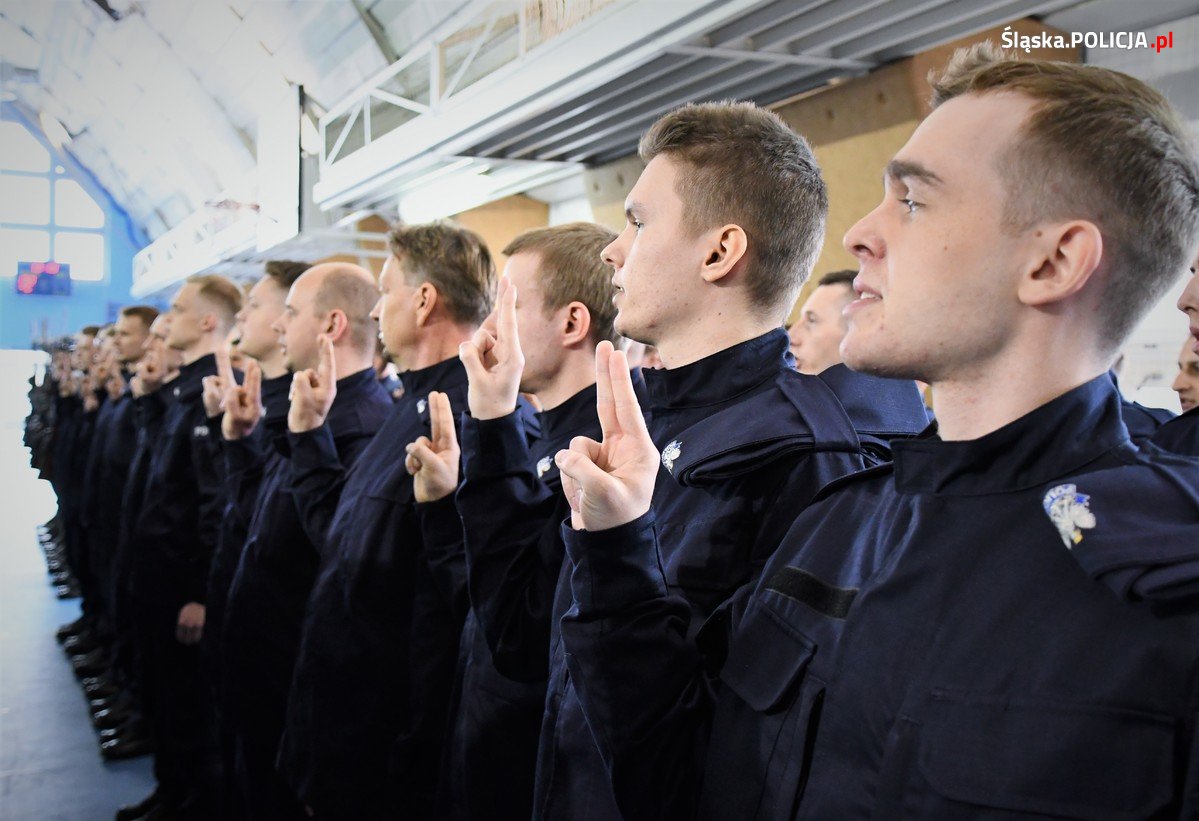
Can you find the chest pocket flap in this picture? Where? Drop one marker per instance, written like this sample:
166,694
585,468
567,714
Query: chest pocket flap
1072,761
766,660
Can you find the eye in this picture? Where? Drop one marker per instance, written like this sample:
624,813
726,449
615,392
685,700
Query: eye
910,204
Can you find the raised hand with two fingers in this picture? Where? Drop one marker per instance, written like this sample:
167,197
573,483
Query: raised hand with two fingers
433,461
243,404
494,364
610,483
313,391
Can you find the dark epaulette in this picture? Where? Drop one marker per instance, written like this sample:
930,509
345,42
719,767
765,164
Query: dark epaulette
798,413
1144,544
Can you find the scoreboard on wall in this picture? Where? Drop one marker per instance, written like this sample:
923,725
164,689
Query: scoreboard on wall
43,278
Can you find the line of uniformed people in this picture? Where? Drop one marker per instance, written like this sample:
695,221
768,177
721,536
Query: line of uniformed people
544,583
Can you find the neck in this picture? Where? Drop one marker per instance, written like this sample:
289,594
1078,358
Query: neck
1014,384
710,334
438,343
350,362
577,372
272,366
200,350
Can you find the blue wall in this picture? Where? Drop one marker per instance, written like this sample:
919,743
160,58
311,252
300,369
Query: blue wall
21,316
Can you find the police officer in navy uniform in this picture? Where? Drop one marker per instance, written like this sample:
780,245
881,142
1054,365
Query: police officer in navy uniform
367,708
325,313
559,292
1000,624
1181,434
171,545
722,229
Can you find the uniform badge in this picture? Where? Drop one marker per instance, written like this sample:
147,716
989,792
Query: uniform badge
543,465
1069,511
421,404
672,452
200,430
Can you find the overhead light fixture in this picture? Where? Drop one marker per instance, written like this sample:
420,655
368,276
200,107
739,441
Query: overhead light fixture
55,131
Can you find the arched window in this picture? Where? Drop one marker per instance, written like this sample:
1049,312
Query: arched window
45,214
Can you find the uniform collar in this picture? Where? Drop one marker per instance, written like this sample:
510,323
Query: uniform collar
576,412
443,375
188,384
1057,438
275,401
721,376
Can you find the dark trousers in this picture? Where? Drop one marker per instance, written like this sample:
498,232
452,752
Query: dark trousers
178,709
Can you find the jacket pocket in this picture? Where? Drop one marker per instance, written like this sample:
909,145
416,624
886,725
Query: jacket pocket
765,723
1027,757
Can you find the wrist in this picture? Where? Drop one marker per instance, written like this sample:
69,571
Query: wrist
488,409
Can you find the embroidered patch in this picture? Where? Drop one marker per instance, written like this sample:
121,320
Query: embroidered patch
200,430
543,465
1069,511
421,404
670,453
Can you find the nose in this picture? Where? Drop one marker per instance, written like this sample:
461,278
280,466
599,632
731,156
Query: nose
1180,384
611,255
376,311
863,241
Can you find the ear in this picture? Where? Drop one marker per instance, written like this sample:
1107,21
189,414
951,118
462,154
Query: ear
425,299
576,324
208,322
1067,255
337,326
727,247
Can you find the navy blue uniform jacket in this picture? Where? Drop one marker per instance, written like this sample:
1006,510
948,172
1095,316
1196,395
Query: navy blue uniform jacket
367,709
1180,434
997,628
278,565
238,500
510,503
178,524
746,442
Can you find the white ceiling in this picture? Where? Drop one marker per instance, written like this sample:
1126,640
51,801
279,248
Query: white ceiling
163,104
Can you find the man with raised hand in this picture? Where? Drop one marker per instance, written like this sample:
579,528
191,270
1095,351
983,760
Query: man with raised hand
723,227
321,321
366,713
1002,622
554,305
172,543
1181,434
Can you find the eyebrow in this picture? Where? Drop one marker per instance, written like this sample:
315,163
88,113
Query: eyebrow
905,169
631,207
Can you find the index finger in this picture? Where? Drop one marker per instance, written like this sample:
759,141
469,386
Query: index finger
253,383
326,368
604,407
624,398
507,313
223,367
442,413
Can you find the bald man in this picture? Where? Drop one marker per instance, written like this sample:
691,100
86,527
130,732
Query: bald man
322,323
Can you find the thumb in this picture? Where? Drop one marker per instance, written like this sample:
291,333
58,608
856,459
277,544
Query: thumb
580,469
468,352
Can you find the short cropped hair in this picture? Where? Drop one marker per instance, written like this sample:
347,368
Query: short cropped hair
845,277
221,293
285,272
146,313
572,270
1102,146
744,165
90,330
349,288
455,260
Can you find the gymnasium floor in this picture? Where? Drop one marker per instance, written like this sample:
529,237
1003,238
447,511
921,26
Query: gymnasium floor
50,766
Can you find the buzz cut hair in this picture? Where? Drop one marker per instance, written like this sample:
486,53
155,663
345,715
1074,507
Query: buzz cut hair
743,165
571,270
1101,146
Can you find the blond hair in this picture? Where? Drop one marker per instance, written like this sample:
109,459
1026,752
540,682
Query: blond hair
572,270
